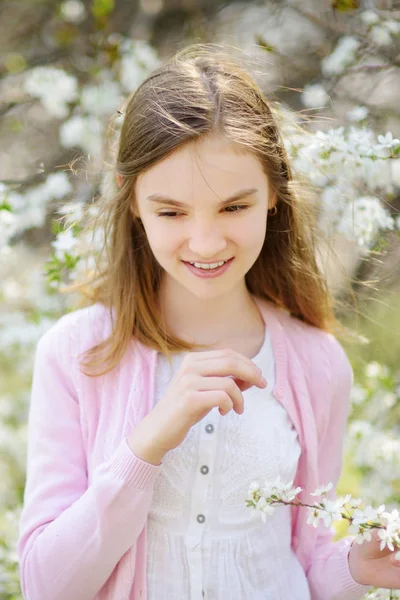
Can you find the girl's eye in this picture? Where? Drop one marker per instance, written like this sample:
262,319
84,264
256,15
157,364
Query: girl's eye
230,209
168,214
236,208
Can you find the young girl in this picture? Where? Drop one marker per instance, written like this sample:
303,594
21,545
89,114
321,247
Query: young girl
206,360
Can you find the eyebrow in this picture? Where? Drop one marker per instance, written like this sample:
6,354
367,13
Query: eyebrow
161,199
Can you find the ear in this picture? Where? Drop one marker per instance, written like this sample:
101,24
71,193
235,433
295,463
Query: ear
119,179
272,201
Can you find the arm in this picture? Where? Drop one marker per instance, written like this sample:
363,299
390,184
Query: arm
329,575
72,535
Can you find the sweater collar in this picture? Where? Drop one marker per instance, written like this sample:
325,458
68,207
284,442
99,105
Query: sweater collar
272,316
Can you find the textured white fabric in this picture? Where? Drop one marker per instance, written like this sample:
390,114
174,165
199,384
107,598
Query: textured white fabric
229,555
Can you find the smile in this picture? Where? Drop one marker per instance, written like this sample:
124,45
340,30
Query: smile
207,270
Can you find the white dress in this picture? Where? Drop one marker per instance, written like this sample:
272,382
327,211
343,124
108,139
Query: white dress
202,540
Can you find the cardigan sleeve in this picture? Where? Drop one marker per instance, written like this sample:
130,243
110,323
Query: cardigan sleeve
329,575
71,535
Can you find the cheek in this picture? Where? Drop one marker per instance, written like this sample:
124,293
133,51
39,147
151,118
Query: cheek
163,238
251,234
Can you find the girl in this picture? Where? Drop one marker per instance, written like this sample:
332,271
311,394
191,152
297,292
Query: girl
204,360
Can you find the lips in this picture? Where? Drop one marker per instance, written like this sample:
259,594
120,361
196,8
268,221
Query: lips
208,273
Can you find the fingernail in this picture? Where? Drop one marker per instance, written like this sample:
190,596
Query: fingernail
264,382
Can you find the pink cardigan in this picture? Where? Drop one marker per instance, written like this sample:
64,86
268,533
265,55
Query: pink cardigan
83,526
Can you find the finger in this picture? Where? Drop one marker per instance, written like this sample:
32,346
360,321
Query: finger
225,384
208,399
243,385
223,353
230,367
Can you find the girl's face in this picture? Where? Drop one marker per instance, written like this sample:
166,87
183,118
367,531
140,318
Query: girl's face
205,203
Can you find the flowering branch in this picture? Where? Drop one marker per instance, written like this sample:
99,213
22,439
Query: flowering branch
362,520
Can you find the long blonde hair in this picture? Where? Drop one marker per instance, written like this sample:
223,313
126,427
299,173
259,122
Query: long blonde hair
199,91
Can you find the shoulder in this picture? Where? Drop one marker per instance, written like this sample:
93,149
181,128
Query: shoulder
314,345
78,330
318,354
325,366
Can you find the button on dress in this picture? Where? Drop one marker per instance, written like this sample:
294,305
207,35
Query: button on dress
202,540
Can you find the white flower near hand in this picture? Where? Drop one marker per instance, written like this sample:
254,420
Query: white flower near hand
392,523
367,515
332,512
280,489
324,489
314,516
387,539
361,535
264,508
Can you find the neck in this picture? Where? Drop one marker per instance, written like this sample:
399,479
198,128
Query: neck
209,321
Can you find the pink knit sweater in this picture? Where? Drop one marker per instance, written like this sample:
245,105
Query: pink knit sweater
83,526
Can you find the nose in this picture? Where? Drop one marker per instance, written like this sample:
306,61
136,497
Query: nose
206,241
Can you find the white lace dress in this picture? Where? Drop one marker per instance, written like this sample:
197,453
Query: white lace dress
202,539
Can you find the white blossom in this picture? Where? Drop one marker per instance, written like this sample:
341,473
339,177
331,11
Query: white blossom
314,96
332,512
65,243
264,508
386,539
30,208
370,17
322,490
280,489
8,227
358,113
380,36
368,514
363,219
54,87
388,141
375,369
83,132
56,186
343,55
314,516
138,59
101,99
392,26
73,11
73,211
358,394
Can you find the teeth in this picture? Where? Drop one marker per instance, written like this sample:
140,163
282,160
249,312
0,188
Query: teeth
208,266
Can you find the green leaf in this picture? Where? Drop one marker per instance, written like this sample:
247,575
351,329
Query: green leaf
102,8
264,45
56,226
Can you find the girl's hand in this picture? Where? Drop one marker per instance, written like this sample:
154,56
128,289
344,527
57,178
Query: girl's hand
369,565
204,380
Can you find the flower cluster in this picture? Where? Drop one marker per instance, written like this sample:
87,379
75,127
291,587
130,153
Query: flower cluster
264,501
